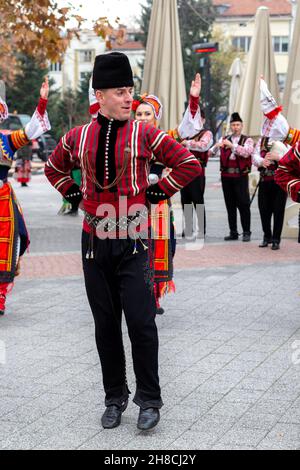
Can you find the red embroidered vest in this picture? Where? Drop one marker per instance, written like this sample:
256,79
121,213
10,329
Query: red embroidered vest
267,174
202,157
240,166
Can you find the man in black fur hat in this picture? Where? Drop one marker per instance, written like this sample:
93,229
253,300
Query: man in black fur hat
236,160
114,153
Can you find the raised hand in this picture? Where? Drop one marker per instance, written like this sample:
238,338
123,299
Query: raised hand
44,92
196,86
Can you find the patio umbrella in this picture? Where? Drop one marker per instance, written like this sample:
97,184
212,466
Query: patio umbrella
235,72
291,100
163,71
260,62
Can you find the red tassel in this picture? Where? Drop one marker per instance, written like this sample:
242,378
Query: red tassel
274,113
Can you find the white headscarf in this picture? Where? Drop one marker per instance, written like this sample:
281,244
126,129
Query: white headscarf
275,125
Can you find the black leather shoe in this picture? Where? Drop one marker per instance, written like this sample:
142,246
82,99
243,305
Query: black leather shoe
275,246
231,237
247,237
148,419
265,243
111,417
1,313
160,311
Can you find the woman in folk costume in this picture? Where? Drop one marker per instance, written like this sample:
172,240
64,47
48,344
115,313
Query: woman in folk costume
148,108
193,193
13,234
274,143
69,208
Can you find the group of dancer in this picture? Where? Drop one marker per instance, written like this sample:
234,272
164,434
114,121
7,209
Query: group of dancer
128,166
238,153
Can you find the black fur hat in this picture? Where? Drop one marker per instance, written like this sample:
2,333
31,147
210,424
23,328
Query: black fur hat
235,117
112,70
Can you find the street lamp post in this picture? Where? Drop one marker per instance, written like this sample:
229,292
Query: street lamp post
205,49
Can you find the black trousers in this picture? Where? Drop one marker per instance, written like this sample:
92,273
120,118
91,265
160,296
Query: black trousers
193,193
237,197
271,203
117,280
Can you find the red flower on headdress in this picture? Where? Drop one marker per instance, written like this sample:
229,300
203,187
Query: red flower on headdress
139,99
135,105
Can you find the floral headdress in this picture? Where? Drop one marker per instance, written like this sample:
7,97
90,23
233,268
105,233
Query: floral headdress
152,100
3,110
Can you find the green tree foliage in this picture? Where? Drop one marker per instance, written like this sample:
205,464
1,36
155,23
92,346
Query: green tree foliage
220,82
23,94
71,110
195,19
64,112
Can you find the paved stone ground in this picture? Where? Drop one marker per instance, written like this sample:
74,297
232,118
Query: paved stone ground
229,344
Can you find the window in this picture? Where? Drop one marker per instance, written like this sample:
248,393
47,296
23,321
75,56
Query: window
281,81
86,56
242,43
55,67
221,9
281,44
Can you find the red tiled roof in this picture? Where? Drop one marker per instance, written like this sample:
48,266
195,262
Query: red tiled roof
129,46
249,7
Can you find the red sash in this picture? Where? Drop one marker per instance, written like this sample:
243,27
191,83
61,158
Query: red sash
8,233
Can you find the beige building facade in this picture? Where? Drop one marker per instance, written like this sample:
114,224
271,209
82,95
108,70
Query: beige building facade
78,60
236,21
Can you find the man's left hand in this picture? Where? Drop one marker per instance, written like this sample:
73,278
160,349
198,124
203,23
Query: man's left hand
227,143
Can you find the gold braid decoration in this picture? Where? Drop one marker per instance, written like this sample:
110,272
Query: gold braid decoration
91,174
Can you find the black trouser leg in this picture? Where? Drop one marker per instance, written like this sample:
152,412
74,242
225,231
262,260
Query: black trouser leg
193,193
243,202
140,309
186,200
202,216
105,303
265,205
117,279
279,203
228,185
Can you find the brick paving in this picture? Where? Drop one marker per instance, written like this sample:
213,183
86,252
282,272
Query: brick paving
211,255
229,344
